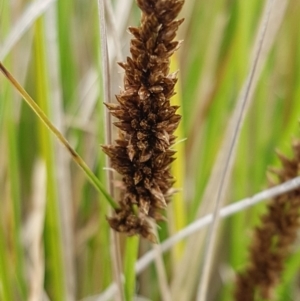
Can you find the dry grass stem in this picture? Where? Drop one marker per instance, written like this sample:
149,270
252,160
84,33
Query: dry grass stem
165,292
114,241
33,234
35,10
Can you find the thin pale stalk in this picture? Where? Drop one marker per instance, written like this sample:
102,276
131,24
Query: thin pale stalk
114,33
104,234
165,292
34,11
116,262
33,234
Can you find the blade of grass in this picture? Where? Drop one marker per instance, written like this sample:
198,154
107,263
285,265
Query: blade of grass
178,166
78,160
35,10
6,293
104,229
55,271
293,93
130,258
14,172
68,67
245,14
292,267
5,284
11,123
61,157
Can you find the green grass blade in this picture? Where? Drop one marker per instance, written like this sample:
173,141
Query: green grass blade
42,116
5,285
55,273
69,71
14,172
131,253
178,166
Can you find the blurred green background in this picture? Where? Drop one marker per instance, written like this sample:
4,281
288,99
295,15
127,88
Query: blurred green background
55,243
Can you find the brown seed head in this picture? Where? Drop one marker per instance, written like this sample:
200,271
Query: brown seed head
147,120
273,238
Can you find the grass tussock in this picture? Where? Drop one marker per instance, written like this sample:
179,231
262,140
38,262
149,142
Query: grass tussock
55,242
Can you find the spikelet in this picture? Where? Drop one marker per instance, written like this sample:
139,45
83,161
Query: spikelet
147,120
273,238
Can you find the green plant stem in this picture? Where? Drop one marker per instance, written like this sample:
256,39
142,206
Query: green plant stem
91,176
131,254
6,289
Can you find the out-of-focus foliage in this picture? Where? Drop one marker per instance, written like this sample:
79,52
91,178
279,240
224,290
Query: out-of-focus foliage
54,238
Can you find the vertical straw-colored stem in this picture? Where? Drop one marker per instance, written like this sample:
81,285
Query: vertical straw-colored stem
165,292
115,248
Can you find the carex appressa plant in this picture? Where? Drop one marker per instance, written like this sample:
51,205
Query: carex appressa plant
273,239
142,153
